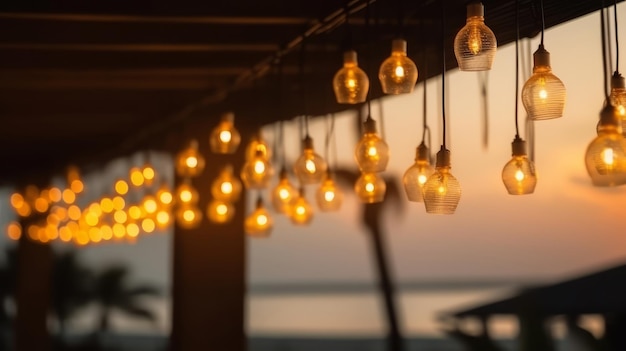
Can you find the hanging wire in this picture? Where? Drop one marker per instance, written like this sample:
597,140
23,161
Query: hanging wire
483,83
517,65
605,71
400,9
303,87
543,21
443,72
616,37
424,107
366,60
330,137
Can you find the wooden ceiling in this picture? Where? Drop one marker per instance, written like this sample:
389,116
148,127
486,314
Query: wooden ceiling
83,82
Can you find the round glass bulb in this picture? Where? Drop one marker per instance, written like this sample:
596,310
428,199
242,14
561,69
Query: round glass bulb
220,211
415,176
164,196
605,158
259,223
257,172
518,175
226,186
225,138
188,216
618,98
189,162
398,73
284,194
310,167
371,152
543,94
370,188
186,194
475,44
350,82
442,190
257,143
329,196
301,213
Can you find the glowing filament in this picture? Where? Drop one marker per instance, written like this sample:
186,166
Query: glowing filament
261,220
422,178
372,151
329,196
221,209
283,193
310,166
369,187
191,162
227,187
189,216
399,71
607,157
259,167
519,175
225,136
186,196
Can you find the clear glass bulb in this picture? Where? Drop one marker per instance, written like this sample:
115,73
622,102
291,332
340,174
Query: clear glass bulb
284,194
189,162
618,98
398,73
186,194
226,186
259,223
257,172
220,211
188,216
350,82
605,158
543,94
370,188
310,167
329,196
475,44
518,175
225,138
301,213
371,152
257,143
442,190
415,176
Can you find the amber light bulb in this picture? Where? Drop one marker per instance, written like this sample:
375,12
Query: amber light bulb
543,94
398,73
186,194
350,82
329,196
416,176
164,196
618,98
371,152
220,211
442,190
226,186
257,172
188,216
189,162
518,175
259,223
310,167
475,44
148,173
136,177
301,213
284,194
257,143
605,158
225,138
370,188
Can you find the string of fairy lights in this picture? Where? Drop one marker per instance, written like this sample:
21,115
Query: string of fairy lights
543,97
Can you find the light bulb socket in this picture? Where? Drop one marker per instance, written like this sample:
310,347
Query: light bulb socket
369,126
283,173
307,143
259,154
194,144
443,157
541,57
398,45
421,152
349,57
228,169
475,9
259,202
617,81
518,146
608,118
228,117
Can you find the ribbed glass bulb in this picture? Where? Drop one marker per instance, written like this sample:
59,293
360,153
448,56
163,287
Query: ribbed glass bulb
442,190
370,188
189,162
350,82
618,98
329,196
371,152
398,73
310,167
284,194
605,158
518,175
259,223
220,211
415,176
225,138
301,213
186,194
475,44
543,94
188,216
257,172
257,143
226,186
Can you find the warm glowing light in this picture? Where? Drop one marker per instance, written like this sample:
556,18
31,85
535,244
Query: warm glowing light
519,175
371,152
74,212
121,187
370,188
94,235
150,204
257,143
186,194
106,232
283,193
14,231
68,196
475,44
256,172
134,212
77,186
95,208
188,216
398,73
24,210
310,168
119,230
220,211
148,173
106,204
132,229
148,225
350,83
65,234
91,219
41,205
119,203
259,223
55,194
225,138
162,219
120,216
17,200
442,190
189,162
259,167
262,220
136,177
605,157
301,213
543,94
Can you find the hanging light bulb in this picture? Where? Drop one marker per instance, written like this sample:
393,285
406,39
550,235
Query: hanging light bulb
136,177
226,186
148,173
284,194
442,190
618,98
329,195
258,143
398,73
259,223
225,138
257,172
310,167
543,94
372,152
350,82
475,44
188,216
186,194
519,174
301,213
220,211
606,154
189,162
164,196
415,176
370,188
